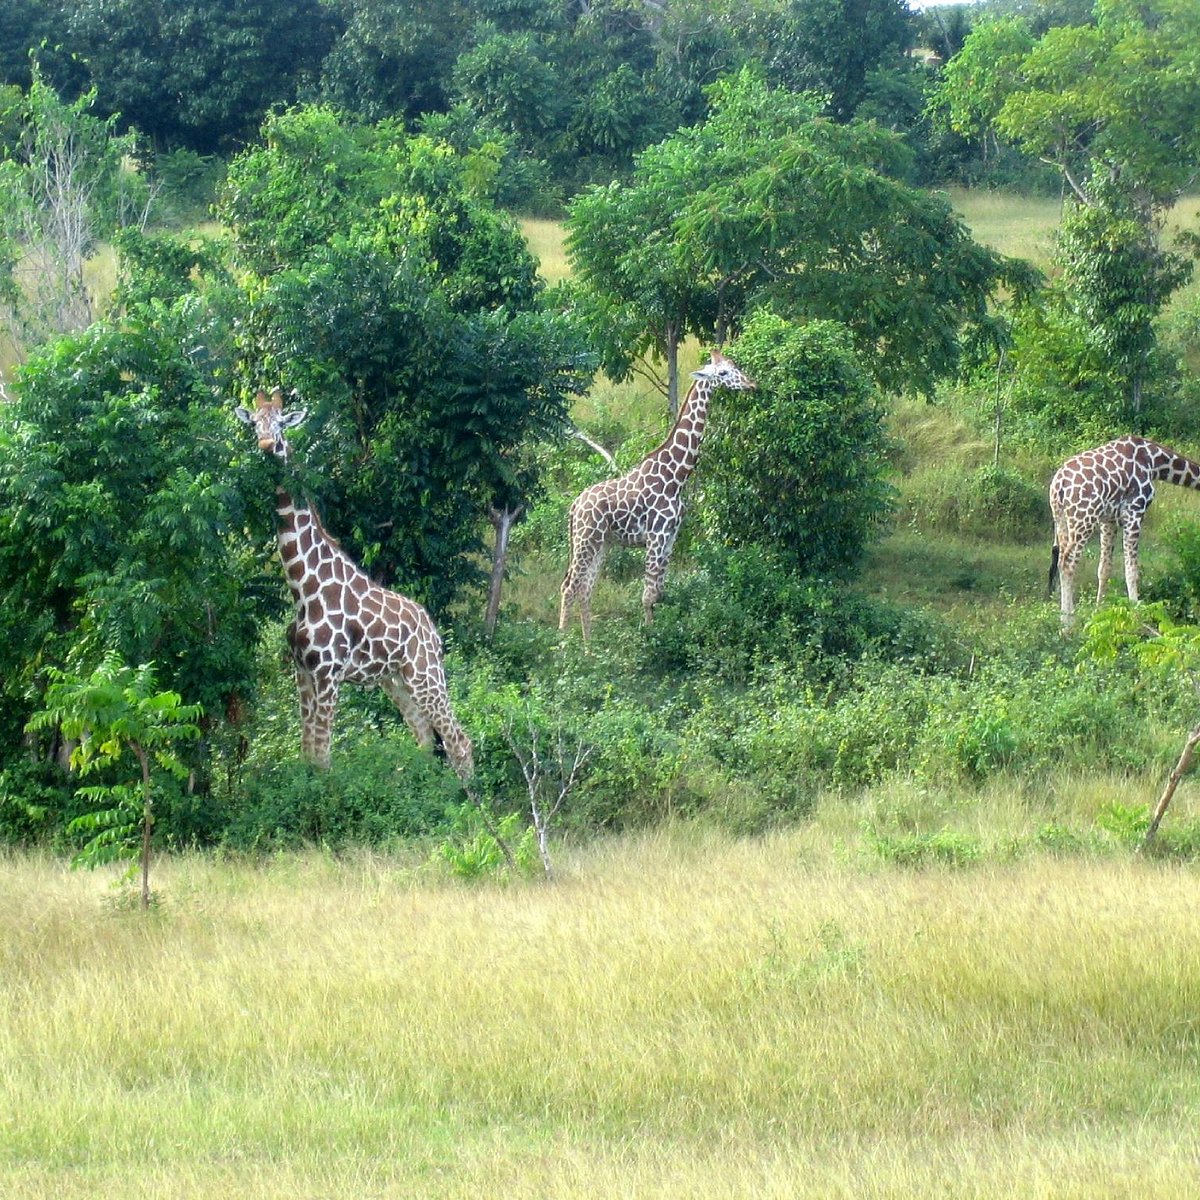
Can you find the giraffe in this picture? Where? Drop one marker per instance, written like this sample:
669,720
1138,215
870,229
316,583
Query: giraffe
644,506
347,628
1110,486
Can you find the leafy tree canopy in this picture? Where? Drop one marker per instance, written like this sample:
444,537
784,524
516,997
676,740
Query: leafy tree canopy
407,312
198,73
768,203
1112,100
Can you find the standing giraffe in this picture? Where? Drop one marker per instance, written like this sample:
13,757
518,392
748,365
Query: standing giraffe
349,629
644,506
1110,486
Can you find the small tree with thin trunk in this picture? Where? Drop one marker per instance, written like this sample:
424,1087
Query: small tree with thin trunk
114,715
1159,644
63,186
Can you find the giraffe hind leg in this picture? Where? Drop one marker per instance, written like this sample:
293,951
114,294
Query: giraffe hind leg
414,718
579,584
432,720
1108,531
1129,549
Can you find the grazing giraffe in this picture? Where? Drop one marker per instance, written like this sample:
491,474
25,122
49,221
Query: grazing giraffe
347,628
644,506
1110,486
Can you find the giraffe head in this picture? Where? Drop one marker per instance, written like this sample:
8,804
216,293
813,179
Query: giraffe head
270,420
724,374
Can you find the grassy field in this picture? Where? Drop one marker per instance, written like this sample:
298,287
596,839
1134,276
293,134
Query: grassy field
680,1015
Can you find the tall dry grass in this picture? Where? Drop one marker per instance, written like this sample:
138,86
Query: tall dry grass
681,1015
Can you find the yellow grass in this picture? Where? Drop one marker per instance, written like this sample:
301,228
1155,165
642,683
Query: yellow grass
545,239
680,1016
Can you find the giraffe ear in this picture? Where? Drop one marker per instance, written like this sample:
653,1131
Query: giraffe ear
244,415
289,420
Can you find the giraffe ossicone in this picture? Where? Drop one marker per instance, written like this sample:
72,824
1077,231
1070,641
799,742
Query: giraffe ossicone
1110,487
347,628
643,507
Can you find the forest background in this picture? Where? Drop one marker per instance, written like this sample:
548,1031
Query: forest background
464,232
845,894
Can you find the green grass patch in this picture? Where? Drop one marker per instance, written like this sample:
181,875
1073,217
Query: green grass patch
682,1014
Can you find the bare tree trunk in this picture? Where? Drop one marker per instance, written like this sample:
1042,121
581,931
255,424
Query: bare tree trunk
1185,761
673,372
147,821
502,519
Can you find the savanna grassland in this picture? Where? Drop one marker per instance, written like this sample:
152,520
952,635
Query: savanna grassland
680,1015
922,988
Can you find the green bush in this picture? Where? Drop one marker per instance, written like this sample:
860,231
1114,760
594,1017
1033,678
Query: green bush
741,609
985,502
799,463
374,793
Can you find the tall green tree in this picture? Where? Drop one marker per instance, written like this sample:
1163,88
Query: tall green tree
766,202
832,46
122,515
407,312
1111,105
198,74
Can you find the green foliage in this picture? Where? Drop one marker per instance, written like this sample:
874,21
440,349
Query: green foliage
797,465
944,847
380,789
766,203
113,715
198,74
406,312
122,519
742,609
471,852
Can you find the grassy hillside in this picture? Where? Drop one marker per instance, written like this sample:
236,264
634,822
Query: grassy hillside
953,979
680,1016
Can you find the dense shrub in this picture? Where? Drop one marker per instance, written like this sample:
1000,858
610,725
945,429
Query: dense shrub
742,609
376,791
798,464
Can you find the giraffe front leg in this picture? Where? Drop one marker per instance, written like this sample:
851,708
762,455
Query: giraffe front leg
658,555
318,704
1129,548
1108,531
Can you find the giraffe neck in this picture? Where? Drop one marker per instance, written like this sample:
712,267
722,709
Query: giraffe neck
1174,468
304,543
682,446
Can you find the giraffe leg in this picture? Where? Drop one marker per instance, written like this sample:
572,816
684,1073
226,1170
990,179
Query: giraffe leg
1068,562
1108,530
414,718
1129,548
318,704
581,577
658,555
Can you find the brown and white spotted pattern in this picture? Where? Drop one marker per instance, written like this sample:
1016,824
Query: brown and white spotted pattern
347,628
1110,487
644,506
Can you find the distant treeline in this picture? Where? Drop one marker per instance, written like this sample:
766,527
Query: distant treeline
566,90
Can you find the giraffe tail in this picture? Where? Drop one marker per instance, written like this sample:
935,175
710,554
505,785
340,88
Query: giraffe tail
1053,570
